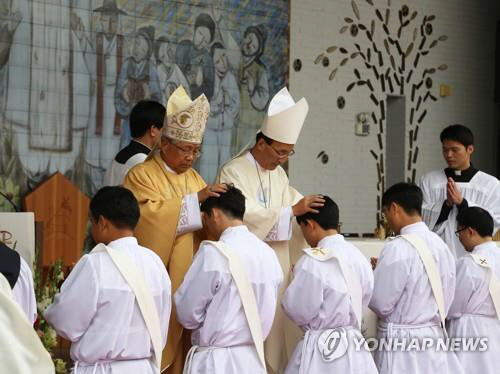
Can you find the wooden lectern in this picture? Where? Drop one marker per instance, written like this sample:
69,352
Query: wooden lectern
63,210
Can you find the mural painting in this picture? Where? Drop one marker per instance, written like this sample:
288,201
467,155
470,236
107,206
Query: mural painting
71,70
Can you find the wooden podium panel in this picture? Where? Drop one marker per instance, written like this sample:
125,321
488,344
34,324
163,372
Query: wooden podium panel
63,209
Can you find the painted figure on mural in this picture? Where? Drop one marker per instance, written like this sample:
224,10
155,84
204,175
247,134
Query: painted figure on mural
41,117
224,109
138,79
103,52
254,87
8,26
169,73
194,57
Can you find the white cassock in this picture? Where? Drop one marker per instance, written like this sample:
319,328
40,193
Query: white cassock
24,292
481,190
131,155
472,313
403,300
268,214
97,311
208,302
21,349
318,300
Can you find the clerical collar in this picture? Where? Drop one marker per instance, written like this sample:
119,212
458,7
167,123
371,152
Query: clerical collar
323,242
461,175
413,227
169,169
485,247
141,143
254,161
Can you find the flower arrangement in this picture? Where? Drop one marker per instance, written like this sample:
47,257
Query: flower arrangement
45,293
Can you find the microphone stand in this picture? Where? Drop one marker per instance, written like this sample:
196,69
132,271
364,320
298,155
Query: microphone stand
10,201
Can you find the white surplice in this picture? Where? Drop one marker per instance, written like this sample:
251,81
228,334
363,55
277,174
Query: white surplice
472,313
97,311
24,292
482,190
208,302
268,214
403,299
318,299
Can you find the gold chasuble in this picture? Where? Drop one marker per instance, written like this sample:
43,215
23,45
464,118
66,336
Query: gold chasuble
160,193
267,192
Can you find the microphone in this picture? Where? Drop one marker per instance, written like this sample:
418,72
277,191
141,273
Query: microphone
10,201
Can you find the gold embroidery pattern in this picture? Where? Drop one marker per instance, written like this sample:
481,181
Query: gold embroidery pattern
188,125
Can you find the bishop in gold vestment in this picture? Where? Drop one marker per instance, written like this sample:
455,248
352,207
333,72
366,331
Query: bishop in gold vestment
169,192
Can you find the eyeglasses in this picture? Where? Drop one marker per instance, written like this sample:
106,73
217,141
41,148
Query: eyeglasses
457,233
188,152
282,154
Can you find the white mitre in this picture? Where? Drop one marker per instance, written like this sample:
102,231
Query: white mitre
285,117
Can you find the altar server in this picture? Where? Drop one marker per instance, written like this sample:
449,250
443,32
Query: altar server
228,296
146,122
460,185
115,305
475,310
414,287
332,284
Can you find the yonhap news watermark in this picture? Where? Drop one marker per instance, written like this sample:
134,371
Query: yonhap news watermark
334,343
421,344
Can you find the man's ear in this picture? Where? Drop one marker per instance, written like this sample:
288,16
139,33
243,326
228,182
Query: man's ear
260,144
311,224
393,207
217,213
470,149
102,223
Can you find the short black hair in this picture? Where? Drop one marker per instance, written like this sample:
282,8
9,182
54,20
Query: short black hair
260,135
144,114
478,219
118,205
458,133
231,202
327,218
407,195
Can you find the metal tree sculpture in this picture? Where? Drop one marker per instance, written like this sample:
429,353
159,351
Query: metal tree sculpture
393,66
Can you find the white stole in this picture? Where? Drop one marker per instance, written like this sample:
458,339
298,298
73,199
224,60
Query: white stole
246,293
143,295
354,289
432,272
494,284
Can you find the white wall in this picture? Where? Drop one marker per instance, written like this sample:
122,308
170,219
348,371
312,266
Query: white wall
350,176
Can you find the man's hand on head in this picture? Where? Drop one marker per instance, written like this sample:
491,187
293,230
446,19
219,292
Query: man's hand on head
212,190
308,204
